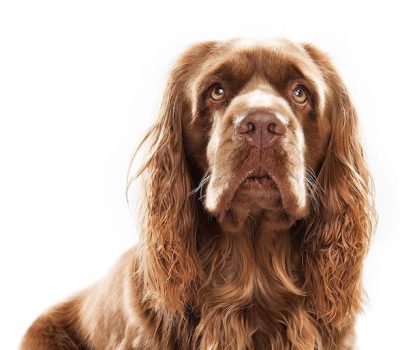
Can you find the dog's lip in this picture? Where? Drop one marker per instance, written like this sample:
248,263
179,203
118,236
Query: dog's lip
253,179
257,182
256,178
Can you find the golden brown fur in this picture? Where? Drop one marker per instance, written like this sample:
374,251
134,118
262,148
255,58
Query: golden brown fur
225,260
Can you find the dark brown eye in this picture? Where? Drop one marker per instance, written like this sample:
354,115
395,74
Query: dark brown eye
217,93
299,94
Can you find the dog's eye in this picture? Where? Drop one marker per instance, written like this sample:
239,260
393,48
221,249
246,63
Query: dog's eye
217,92
299,94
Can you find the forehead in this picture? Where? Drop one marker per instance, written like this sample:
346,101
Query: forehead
275,61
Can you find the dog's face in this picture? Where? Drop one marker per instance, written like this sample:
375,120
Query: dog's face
256,130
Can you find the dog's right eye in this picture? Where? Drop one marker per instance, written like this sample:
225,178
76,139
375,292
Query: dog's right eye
300,95
217,92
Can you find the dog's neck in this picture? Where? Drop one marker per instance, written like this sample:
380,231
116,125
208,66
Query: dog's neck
252,272
252,247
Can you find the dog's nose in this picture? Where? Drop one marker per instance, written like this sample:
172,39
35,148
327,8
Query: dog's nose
260,128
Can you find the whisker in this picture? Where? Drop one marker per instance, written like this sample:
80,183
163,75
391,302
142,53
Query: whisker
199,188
314,188
314,178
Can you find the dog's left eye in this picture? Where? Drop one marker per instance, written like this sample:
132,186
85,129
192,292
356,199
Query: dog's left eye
299,94
217,92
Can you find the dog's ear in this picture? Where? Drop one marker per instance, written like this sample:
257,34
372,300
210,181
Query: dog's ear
338,232
169,217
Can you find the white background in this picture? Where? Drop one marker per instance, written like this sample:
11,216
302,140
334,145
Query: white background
80,82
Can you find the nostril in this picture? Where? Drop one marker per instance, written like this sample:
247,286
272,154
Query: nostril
246,127
272,128
276,128
250,127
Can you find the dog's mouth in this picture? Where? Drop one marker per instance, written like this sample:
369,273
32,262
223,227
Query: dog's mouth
252,187
257,182
254,190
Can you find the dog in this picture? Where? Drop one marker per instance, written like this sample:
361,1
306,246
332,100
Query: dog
257,214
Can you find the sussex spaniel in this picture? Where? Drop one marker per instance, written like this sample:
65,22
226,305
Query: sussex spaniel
256,219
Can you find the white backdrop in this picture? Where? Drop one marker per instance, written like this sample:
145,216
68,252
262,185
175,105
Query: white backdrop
80,82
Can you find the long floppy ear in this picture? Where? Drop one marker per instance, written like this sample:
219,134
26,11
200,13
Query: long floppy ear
169,223
338,232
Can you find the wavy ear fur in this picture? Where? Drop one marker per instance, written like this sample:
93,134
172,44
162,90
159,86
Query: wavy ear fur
171,263
338,232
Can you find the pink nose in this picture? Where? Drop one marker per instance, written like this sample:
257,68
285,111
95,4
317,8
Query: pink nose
260,128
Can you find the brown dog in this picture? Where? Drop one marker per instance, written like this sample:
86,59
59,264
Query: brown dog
256,220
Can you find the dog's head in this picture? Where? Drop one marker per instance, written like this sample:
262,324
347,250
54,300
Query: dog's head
262,130
255,127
